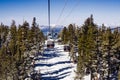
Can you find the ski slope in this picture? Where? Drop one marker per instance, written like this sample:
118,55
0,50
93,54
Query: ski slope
55,65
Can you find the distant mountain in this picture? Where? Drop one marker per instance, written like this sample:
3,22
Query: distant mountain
56,28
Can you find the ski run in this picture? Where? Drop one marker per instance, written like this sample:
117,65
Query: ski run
56,65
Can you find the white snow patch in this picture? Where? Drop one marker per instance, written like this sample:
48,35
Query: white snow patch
56,65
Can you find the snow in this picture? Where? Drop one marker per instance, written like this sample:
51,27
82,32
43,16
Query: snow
55,65
87,77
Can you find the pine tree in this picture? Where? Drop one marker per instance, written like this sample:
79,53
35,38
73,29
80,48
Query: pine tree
12,44
34,30
3,33
86,45
71,33
64,35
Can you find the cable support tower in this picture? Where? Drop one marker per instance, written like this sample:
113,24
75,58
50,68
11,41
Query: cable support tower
49,15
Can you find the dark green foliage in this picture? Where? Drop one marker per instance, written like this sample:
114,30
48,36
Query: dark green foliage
3,33
68,34
86,45
14,42
97,47
64,35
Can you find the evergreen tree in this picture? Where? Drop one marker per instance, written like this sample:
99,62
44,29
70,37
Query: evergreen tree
34,30
64,35
3,33
86,45
71,33
14,43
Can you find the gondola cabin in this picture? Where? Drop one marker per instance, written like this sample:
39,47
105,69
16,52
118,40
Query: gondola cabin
67,48
50,43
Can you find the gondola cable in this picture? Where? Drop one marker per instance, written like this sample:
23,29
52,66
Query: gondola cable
62,11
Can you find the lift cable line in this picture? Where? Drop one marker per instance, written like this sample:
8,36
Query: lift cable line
72,9
62,12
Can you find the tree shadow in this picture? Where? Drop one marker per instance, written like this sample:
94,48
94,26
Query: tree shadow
58,77
49,65
48,55
60,70
60,73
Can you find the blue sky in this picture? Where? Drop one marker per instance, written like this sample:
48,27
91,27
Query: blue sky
75,11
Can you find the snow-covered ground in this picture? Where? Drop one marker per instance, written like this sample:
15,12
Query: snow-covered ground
55,65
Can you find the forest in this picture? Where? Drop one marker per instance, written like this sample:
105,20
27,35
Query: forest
98,49
95,49
16,45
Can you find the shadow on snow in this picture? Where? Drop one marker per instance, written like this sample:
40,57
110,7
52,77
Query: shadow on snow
58,77
49,65
49,55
